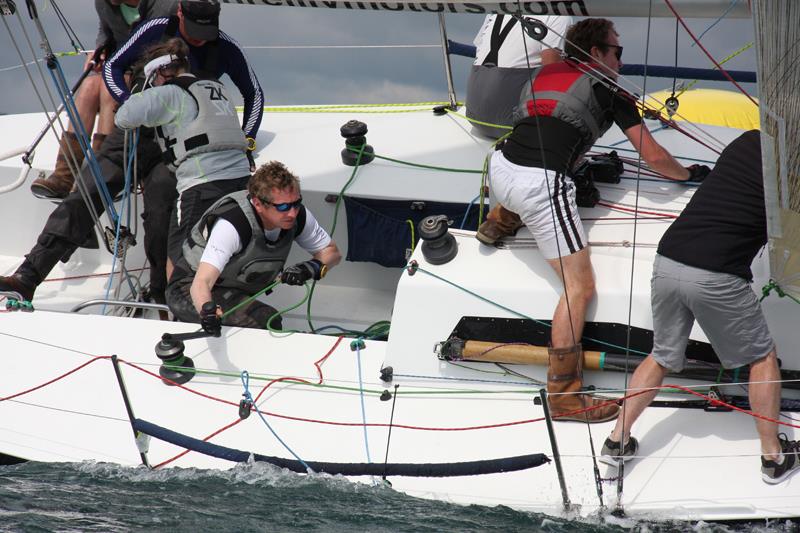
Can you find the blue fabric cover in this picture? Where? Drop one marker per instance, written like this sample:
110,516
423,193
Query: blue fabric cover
378,230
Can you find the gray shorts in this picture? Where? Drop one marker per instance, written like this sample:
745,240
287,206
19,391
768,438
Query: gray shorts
724,305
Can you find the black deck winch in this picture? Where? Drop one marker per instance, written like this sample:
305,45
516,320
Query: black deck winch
354,133
175,367
438,246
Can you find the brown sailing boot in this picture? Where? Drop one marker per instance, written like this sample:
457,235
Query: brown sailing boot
564,381
60,182
499,223
97,142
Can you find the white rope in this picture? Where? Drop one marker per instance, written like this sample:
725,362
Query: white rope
337,46
712,456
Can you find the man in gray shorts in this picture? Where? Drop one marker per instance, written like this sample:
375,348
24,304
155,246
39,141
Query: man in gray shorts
702,272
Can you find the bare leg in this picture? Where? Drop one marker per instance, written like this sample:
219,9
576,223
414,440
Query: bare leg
648,375
105,123
565,357
765,401
87,100
578,282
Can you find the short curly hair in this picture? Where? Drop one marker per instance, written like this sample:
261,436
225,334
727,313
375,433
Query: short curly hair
272,175
583,35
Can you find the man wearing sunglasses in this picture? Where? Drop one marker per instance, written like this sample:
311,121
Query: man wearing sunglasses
239,247
562,113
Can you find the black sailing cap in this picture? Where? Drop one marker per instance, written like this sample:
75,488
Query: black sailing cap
201,19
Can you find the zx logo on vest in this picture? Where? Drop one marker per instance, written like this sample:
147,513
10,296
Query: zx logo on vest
219,101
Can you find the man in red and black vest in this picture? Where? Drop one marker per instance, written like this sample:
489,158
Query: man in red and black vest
563,112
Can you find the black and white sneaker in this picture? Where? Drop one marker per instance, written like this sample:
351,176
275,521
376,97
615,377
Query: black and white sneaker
613,456
772,472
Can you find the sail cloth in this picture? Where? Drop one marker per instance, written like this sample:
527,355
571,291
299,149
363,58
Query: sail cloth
575,8
777,29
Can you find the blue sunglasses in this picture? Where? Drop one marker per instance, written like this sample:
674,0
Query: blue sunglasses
284,207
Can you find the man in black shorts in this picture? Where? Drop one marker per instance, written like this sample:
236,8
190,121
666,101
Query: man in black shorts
702,272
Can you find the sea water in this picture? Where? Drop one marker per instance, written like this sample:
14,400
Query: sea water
259,497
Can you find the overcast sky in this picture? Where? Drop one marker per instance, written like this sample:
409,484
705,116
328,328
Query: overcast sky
335,76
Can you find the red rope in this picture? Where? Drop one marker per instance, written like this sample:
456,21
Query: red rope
87,276
674,125
317,364
62,376
184,452
629,210
697,42
715,401
604,219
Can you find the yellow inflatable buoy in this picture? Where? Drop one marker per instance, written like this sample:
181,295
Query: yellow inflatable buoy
715,107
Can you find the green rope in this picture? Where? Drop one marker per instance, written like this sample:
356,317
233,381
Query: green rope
250,299
406,392
485,176
420,165
413,241
376,392
773,286
308,307
282,311
519,314
722,62
483,188
354,108
376,331
475,121
336,208
360,152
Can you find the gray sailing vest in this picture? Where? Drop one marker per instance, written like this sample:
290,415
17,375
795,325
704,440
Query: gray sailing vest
259,262
215,128
565,91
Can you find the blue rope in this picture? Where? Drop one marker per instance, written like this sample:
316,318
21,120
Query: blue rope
725,14
523,315
466,214
75,119
249,399
358,343
126,196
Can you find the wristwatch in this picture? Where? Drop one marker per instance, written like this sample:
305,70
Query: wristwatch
323,270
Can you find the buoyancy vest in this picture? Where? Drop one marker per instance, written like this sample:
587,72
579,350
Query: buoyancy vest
215,128
565,91
259,262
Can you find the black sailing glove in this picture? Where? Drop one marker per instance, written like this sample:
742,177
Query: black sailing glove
302,272
211,323
697,173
